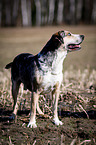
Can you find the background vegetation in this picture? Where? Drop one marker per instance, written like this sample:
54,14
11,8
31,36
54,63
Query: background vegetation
47,12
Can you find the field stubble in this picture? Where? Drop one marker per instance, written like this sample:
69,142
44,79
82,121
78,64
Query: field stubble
77,105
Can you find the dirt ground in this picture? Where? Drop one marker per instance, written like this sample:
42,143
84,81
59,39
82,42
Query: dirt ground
47,133
76,129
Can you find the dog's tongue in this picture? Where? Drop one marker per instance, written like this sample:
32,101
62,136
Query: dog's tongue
74,46
77,45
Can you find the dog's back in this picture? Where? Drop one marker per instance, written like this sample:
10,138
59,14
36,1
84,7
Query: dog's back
21,66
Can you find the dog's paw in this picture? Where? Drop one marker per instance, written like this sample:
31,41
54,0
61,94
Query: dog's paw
32,125
56,121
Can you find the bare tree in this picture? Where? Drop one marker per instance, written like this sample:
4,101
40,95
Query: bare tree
79,10
0,12
7,13
60,11
24,13
29,12
72,11
15,12
38,12
51,11
93,18
44,11
87,15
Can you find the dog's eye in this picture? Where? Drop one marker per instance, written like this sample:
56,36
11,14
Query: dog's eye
69,34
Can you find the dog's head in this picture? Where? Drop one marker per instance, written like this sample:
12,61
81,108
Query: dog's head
68,41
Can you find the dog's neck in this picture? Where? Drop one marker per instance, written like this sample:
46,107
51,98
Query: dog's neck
52,60
57,64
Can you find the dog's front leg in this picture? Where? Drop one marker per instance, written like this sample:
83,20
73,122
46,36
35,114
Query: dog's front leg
34,100
55,105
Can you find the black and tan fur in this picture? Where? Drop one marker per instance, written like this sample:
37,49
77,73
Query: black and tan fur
43,72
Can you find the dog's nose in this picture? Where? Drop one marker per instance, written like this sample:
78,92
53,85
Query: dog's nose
82,36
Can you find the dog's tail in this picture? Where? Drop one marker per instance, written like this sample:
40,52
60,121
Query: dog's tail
9,65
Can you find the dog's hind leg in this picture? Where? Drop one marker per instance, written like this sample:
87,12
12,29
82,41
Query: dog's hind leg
15,89
38,109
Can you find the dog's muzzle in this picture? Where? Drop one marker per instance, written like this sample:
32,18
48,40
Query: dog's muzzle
73,47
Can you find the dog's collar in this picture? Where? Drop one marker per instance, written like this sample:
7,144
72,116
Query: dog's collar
55,73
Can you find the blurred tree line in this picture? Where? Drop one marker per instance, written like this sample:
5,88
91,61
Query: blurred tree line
47,12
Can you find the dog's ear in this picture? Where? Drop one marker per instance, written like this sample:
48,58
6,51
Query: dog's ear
62,34
59,36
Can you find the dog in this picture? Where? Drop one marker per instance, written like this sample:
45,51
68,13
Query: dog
42,73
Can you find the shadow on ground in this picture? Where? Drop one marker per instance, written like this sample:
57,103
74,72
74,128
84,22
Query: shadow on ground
76,126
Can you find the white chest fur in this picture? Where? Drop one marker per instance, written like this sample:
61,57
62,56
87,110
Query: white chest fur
49,80
54,74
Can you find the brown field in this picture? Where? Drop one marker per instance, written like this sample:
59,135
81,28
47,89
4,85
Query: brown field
77,104
17,40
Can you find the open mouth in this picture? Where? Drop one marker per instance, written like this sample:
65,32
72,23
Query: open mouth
74,47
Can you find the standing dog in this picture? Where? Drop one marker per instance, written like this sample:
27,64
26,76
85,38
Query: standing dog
43,72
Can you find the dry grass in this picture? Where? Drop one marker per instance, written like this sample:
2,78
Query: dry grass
77,92
75,96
